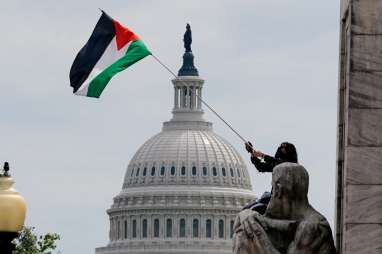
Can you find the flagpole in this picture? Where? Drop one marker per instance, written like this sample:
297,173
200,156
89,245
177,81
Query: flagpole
205,103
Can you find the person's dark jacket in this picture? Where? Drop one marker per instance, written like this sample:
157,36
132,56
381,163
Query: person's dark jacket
267,164
286,152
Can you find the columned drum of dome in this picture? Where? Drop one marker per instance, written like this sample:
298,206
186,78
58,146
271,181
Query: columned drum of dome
183,187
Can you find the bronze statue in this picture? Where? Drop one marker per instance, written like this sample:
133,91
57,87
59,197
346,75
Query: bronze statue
187,38
290,224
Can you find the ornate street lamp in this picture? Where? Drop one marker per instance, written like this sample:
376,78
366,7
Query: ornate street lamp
12,212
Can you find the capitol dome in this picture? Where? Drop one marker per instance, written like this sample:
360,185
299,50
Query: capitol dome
183,187
188,156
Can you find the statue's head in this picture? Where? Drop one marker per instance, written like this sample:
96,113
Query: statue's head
188,27
290,183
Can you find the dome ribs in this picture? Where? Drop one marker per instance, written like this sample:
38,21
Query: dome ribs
201,134
190,148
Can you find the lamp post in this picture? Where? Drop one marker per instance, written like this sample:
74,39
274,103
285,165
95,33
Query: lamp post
12,212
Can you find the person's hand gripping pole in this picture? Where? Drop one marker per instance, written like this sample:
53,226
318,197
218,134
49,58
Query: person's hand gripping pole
250,149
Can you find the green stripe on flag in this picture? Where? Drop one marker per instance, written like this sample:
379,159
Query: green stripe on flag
136,51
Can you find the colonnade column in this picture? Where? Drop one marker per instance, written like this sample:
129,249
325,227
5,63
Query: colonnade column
194,90
187,97
181,97
111,230
176,98
199,98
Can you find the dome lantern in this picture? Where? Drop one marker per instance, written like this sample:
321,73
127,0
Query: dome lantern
188,68
188,87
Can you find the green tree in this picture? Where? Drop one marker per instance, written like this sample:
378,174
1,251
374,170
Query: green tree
29,243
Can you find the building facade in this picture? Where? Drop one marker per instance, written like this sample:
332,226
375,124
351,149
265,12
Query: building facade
183,187
359,163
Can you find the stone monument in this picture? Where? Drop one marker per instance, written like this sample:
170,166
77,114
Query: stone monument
359,148
290,224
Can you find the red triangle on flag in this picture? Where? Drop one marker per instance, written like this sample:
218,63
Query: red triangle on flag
123,35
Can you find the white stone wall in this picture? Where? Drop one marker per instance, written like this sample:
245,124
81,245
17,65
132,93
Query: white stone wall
359,170
119,235
179,203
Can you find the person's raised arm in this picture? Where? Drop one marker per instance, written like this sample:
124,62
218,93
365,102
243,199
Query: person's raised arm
262,166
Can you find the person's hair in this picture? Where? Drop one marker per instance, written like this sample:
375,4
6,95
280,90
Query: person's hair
287,152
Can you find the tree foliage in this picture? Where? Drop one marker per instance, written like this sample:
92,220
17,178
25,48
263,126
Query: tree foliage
29,243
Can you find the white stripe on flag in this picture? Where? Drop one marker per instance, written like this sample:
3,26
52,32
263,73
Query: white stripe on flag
110,55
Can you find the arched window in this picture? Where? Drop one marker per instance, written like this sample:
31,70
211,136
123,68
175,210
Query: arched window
134,228
118,230
231,228
238,172
125,229
182,228
132,172
223,172
208,228
137,174
169,228
156,228
204,171
214,171
231,171
144,171
194,171
172,170
152,171
162,170
183,170
221,228
144,228
195,228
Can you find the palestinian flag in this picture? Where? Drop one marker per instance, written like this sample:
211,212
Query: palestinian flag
110,49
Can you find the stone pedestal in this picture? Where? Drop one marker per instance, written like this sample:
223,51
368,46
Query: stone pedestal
359,158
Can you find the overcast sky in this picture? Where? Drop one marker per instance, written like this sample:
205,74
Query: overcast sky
270,68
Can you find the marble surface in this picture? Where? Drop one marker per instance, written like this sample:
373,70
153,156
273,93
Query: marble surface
365,90
366,17
344,6
365,53
365,127
362,164
364,204
363,238
359,218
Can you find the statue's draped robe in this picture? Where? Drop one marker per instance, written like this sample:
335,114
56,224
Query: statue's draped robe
310,236
290,224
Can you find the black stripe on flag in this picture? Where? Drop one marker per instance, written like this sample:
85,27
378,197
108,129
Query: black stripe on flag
88,56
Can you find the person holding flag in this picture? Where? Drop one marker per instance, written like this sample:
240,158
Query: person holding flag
286,152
